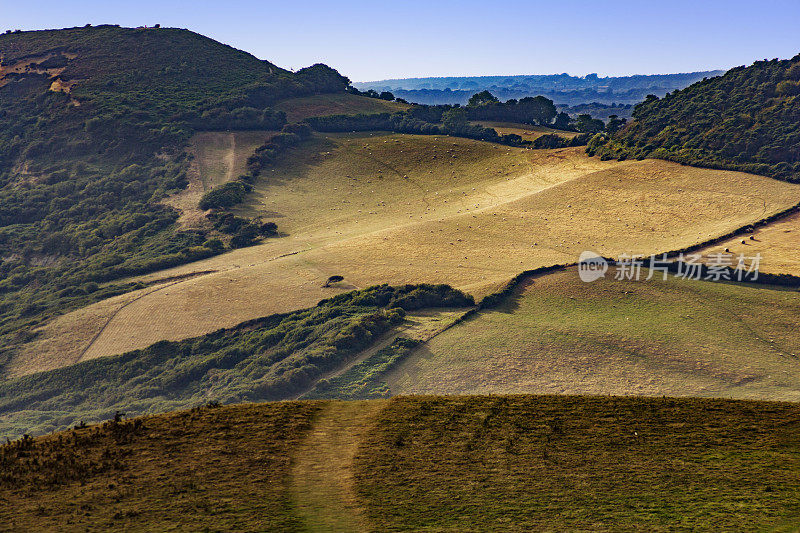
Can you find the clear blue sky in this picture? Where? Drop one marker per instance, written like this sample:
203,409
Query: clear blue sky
372,40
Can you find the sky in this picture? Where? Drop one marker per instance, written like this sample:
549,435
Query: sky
369,41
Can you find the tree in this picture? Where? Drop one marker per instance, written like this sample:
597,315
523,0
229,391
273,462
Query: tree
482,98
455,118
615,124
587,124
562,121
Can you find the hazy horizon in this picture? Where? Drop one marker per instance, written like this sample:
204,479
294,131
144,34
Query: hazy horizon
454,39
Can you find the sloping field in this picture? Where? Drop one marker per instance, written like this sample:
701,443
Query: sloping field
674,337
298,109
778,243
381,208
218,157
518,463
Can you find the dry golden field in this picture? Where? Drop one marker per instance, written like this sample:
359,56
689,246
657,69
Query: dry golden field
391,208
559,335
777,242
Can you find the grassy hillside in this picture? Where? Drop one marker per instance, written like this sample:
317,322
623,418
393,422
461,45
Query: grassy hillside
380,208
272,358
580,464
558,334
744,120
517,463
207,469
93,127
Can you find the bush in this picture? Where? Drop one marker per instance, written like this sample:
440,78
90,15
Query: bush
227,195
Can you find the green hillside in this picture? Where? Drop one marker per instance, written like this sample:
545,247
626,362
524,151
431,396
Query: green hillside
744,120
93,126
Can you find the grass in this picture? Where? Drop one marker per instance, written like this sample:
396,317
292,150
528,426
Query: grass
498,463
557,334
552,463
276,357
777,243
402,208
299,109
202,470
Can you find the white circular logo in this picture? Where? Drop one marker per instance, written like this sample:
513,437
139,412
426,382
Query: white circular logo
591,266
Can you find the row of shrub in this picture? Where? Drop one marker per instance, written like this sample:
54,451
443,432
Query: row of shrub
234,192
271,358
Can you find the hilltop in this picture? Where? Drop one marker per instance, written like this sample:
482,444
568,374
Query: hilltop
95,123
745,120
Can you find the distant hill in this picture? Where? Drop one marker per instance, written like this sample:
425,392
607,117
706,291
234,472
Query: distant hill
745,120
93,126
563,89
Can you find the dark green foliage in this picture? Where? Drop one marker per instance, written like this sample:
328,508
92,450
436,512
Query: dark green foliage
745,120
226,195
552,140
586,124
528,110
482,98
404,122
241,118
270,358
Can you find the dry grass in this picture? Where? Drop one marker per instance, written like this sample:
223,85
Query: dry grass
220,469
322,475
565,463
218,157
298,109
380,208
526,131
778,243
675,337
518,463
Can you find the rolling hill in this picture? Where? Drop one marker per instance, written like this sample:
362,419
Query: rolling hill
387,208
95,123
744,120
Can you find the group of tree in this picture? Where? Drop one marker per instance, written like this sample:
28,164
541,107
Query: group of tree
744,120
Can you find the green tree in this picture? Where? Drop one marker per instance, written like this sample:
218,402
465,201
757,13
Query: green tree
455,118
482,98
